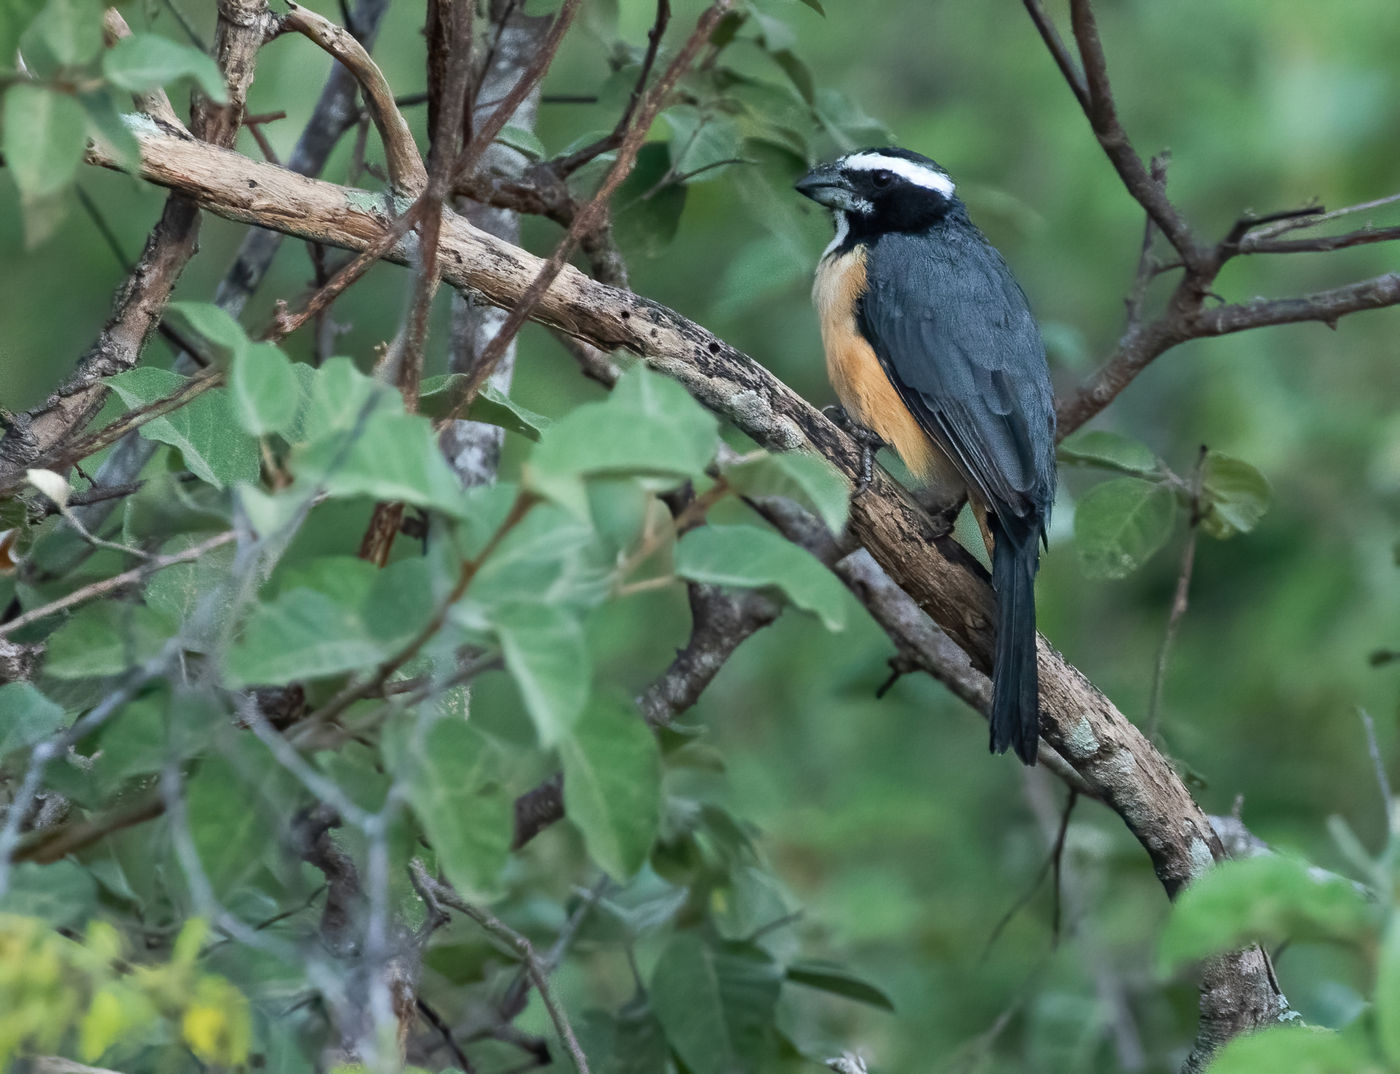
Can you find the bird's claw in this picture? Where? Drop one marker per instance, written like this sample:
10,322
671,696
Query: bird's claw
869,440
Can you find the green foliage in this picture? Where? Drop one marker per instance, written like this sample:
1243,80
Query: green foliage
87,996
453,776
66,93
547,655
612,786
791,861
797,475
205,431
839,981
1297,1049
1236,495
1110,451
753,557
30,717
43,139
146,61
1120,524
715,1002
1265,899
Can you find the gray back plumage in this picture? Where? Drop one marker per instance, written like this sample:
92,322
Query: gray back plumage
955,335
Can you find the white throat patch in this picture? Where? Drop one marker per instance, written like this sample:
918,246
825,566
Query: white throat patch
843,228
908,170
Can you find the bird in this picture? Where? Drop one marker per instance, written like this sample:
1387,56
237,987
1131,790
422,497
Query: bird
932,350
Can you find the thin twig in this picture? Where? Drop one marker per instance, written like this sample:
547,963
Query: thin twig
1051,864
1103,117
566,166
285,321
1294,224
444,1031
1179,598
1373,747
355,691
524,86
407,174
445,896
1147,265
1057,855
592,214
104,586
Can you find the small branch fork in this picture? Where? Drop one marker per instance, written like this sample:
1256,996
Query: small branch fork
1185,316
1106,755
438,895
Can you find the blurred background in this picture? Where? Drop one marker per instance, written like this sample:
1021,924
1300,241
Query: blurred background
906,843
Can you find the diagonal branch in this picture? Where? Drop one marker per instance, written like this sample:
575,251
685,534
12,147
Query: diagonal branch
140,302
1095,96
406,172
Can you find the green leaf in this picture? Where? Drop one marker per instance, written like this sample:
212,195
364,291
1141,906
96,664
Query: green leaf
492,406
523,140
394,457
798,72
27,717
1387,1000
105,639
339,398
231,811
302,635
1110,451
839,981
1267,899
551,557
204,430
755,275
145,61
135,743
176,591
702,143
650,425
45,133
1119,524
266,394
64,893
816,6
639,1045
612,785
715,1003
749,556
106,125
798,475
849,124
547,656
1236,496
452,775
67,33
649,204
212,324
749,904
15,16
1297,1050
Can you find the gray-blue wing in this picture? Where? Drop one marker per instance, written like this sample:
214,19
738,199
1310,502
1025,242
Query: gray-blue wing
955,335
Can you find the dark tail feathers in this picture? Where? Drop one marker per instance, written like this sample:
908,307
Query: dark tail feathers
1015,683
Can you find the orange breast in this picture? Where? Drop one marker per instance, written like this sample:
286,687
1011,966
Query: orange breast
855,372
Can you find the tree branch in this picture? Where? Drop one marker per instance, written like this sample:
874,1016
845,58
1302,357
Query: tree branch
407,175
1110,754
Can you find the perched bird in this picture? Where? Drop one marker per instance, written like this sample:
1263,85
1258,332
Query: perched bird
932,349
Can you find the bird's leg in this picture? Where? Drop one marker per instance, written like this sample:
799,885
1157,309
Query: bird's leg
869,440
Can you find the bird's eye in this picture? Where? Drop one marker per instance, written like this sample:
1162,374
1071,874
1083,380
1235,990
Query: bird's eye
881,178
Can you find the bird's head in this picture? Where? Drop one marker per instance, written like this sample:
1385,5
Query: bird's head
877,190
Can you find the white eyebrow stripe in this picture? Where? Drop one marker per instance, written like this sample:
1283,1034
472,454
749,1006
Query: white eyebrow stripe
918,174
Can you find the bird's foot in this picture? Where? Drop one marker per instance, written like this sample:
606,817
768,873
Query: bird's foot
869,440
